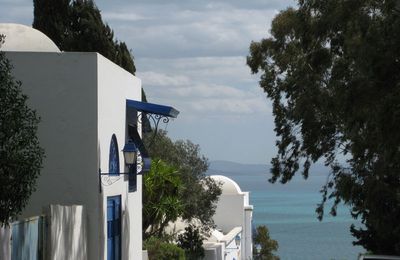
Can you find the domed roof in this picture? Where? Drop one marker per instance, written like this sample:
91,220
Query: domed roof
24,38
229,186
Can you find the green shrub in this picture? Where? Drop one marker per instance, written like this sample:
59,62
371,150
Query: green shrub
266,245
161,250
192,242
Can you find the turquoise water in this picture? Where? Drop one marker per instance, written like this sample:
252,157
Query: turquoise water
289,213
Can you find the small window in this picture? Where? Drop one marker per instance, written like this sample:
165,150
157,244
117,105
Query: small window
113,163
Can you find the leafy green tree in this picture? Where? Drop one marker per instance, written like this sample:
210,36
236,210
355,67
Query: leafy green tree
124,58
192,242
76,25
263,245
331,69
20,153
161,200
199,193
158,249
87,32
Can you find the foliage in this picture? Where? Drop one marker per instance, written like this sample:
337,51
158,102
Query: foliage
192,242
265,244
158,249
52,18
199,193
161,200
20,153
331,69
76,25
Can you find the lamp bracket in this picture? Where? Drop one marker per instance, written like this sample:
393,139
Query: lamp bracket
155,119
107,180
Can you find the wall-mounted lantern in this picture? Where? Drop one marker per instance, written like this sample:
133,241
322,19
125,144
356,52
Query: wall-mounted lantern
130,153
130,156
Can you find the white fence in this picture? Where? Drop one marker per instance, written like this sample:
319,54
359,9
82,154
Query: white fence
5,243
64,234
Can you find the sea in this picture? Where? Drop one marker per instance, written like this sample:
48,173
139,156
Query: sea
288,211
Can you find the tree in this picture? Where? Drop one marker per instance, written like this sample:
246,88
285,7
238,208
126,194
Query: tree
52,18
331,69
162,250
76,25
263,245
199,193
161,200
192,242
124,58
87,32
20,153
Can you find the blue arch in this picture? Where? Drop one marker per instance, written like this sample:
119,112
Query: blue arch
113,160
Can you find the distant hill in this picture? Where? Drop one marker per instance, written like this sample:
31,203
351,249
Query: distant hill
252,177
229,168
232,168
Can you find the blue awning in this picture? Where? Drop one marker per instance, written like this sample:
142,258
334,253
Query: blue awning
152,108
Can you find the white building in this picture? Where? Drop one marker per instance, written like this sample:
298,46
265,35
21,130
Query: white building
232,238
88,108
233,217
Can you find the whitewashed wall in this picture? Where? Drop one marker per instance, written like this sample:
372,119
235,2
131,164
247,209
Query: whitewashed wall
81,99
62,87
229,212
232,252
233,210
115,85
214,251
66,232
248,236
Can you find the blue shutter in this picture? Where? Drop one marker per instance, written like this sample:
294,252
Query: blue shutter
114,228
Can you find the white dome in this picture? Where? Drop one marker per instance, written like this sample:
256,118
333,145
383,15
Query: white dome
229,186
24,38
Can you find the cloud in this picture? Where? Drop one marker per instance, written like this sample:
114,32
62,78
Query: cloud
209,91
152,78
215,70
191,85
192,55
229,106
122,16
171,30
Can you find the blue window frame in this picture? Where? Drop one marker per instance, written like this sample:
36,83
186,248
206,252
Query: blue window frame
113,162
114,228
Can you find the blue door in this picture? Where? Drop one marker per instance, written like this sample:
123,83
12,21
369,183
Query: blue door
114,228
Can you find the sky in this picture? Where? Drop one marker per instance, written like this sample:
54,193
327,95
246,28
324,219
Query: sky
192,55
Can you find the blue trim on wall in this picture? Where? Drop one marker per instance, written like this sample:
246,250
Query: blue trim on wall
113,159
